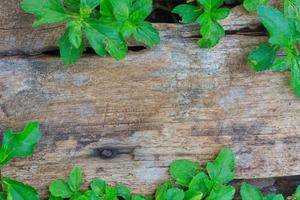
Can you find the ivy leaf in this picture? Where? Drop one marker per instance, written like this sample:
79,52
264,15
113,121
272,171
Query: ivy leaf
222,169
19,191
21,144
161,191
69,53
221,192
248,192
251,5
59,188
201,183
262,57
183,171
123,192
174,194
278,26
147,34
188,13
75,179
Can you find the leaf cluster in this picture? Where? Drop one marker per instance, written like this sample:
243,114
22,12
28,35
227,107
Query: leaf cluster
284,37
18,145
207,13
106,25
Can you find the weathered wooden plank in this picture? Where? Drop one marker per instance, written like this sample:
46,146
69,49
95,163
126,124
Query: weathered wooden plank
17,36
126,121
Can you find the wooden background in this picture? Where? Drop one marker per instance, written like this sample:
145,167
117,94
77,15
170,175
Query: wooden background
126,121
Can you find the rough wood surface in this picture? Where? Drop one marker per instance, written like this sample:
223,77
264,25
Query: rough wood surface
126,121
17,36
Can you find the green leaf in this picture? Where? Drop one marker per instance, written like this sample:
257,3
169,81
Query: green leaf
222,169
248,192
20,144
221,13
138,197
211,32
297,194
75,179
274,197
278,26
193,195
111,193
188,13
69,54
122,191
281,64
251,5
295,75
147,34
59,188
90,3
3,196
183,171
174,194
99,187
201,183
262,57
105,39
75,33
117,9
161,191
72,5
19,191
221,192
46,11
211,4
140,10
55,198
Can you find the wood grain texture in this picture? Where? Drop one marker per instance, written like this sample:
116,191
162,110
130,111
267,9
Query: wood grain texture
17,36
126,121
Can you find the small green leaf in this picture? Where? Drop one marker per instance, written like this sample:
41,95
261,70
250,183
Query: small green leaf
111,193
193,195
19,191
138,197
297,193
274,197
3,196
188,13
161,191
21,144
90,3
122,191
59,188
221,192
147,34
140,10
99,187
281,64
251,5
262,57
248,192
183,171
55,198
221,13
278,26
201,183
75,179
222,169
295,75
211,33
174,194
75,33
69,54
211,4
